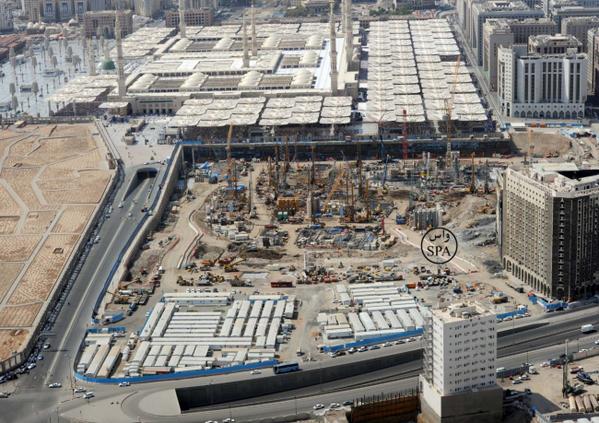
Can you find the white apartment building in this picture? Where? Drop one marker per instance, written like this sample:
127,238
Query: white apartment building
460,349
532,85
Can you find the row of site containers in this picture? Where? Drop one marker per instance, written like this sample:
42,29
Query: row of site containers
110,362
387,306
99,357
376,333
338,331
398,319
356,286
273,331
163,320
150,324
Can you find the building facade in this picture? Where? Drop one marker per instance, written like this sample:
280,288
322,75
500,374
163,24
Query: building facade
148,8
32,9
579,28
460,349
525,28
536,85
593,60
480,12
102,23
193,17
553,44
550,228
6,20
506,32
496,33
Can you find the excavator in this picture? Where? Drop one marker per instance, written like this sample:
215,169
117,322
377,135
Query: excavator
231,267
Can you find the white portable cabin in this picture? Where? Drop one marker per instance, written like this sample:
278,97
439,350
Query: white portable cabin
148,328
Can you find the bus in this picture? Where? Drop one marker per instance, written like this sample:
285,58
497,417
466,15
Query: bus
285,368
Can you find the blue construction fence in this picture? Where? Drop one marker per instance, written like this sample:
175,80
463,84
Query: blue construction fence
179,375
547,304
373,341
109,329
520,311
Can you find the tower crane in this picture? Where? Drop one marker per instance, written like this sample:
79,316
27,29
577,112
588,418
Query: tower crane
404,144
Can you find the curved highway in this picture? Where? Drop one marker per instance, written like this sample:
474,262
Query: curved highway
156,402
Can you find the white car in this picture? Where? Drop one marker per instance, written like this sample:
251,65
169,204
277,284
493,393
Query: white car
318,406
88,395
78,390
334,405
255,372
125,383
55,385
31,366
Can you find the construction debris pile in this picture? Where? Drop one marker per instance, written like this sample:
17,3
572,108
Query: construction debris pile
271,236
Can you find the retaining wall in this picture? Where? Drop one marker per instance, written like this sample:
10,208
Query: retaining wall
200,396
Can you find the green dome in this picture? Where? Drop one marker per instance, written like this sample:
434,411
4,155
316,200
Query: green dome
108,65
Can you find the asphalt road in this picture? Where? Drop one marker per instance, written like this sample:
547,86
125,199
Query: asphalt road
131,402
32,401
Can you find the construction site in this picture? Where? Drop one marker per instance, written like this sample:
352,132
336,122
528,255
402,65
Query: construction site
261,260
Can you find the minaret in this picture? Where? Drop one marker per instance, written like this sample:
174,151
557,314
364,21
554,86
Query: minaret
92,57
254,39
333,51
120,72
349,33
246,56
182,28
343,5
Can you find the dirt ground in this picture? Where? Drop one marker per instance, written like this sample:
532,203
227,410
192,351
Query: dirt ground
547,385
544,143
